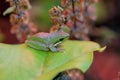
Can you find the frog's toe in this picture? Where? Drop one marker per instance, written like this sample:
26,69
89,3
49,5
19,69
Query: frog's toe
60,49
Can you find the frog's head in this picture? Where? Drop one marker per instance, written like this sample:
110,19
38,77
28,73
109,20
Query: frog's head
61,36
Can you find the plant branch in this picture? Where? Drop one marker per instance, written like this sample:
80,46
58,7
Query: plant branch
74,17
17,7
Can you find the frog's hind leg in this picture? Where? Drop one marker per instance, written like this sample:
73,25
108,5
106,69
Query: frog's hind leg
37,45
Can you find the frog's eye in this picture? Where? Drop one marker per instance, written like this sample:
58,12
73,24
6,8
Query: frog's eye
61,39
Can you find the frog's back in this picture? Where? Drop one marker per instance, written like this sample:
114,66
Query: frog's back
41,37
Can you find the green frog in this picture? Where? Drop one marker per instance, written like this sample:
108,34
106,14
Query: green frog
47,41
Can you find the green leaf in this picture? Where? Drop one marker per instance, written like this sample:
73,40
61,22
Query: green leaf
19,62
9,10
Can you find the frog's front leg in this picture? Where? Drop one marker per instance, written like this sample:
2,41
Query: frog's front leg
37,45
53,48
57,44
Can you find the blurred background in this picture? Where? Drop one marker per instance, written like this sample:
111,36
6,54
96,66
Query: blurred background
106,65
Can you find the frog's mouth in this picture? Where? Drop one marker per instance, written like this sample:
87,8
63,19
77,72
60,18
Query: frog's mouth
61,40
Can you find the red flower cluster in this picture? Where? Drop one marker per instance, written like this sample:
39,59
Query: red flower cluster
19,19
58,17
77,15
